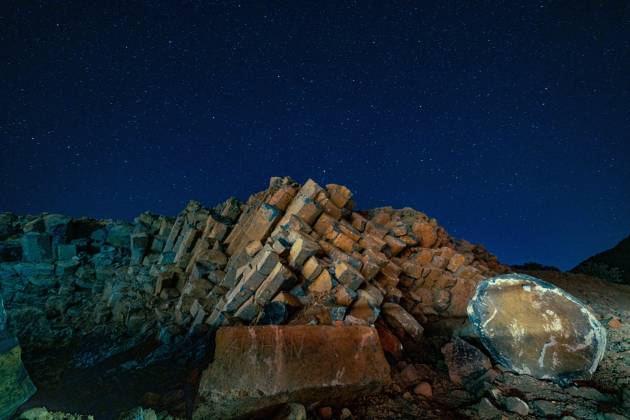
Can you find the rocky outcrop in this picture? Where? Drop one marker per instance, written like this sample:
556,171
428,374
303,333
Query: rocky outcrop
612,264
294,254
535,328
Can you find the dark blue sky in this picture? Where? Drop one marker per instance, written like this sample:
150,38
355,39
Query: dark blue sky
509,122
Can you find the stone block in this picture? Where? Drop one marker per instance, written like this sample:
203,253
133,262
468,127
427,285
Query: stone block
456,262
339,194
348,275
66,251
139,244
256,369
401,320
265,260
372,242
426,233
302,249
279,278
358,221
283,197
312,268
235,298
344,242
219,231
251,279
344,296
37,247
264,220
395,244
322,284
248,310
287,299
324,223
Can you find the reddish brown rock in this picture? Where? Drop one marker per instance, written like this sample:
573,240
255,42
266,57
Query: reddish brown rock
259,368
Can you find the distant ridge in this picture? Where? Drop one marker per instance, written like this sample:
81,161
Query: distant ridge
612,264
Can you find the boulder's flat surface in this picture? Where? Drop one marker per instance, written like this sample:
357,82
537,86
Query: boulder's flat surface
258,368
535,328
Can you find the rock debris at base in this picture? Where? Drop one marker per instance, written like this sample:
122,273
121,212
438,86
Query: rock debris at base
298,255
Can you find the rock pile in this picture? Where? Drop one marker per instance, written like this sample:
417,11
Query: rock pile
301,254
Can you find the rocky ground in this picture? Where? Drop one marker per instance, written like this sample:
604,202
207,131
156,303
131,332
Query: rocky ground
113,315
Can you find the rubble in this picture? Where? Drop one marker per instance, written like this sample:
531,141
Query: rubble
259,368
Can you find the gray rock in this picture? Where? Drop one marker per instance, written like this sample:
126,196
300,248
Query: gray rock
547,408
516,405
37,247
119,235
66,251
534,328
466,363
486,410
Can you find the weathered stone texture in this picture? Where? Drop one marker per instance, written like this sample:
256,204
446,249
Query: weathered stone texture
258,368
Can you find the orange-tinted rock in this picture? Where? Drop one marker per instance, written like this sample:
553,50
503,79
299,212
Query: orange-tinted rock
614,323
259,368
391,344
536,328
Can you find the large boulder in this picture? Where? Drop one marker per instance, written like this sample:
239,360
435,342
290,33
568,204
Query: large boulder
15,385
535,328
256,369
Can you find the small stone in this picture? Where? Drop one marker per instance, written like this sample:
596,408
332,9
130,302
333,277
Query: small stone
486,410
547,408
614,323
401,320
424,389
325,413
345,414
302,249
516,405
466,363
390,343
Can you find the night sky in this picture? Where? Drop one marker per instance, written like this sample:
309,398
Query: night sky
508,123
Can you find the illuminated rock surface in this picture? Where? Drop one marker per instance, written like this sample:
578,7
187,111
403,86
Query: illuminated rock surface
535,328
258,368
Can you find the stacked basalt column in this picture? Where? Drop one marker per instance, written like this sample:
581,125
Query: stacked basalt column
302,254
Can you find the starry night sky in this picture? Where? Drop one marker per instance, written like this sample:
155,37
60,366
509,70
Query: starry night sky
509,122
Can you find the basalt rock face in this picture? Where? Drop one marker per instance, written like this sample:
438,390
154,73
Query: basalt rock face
535,328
